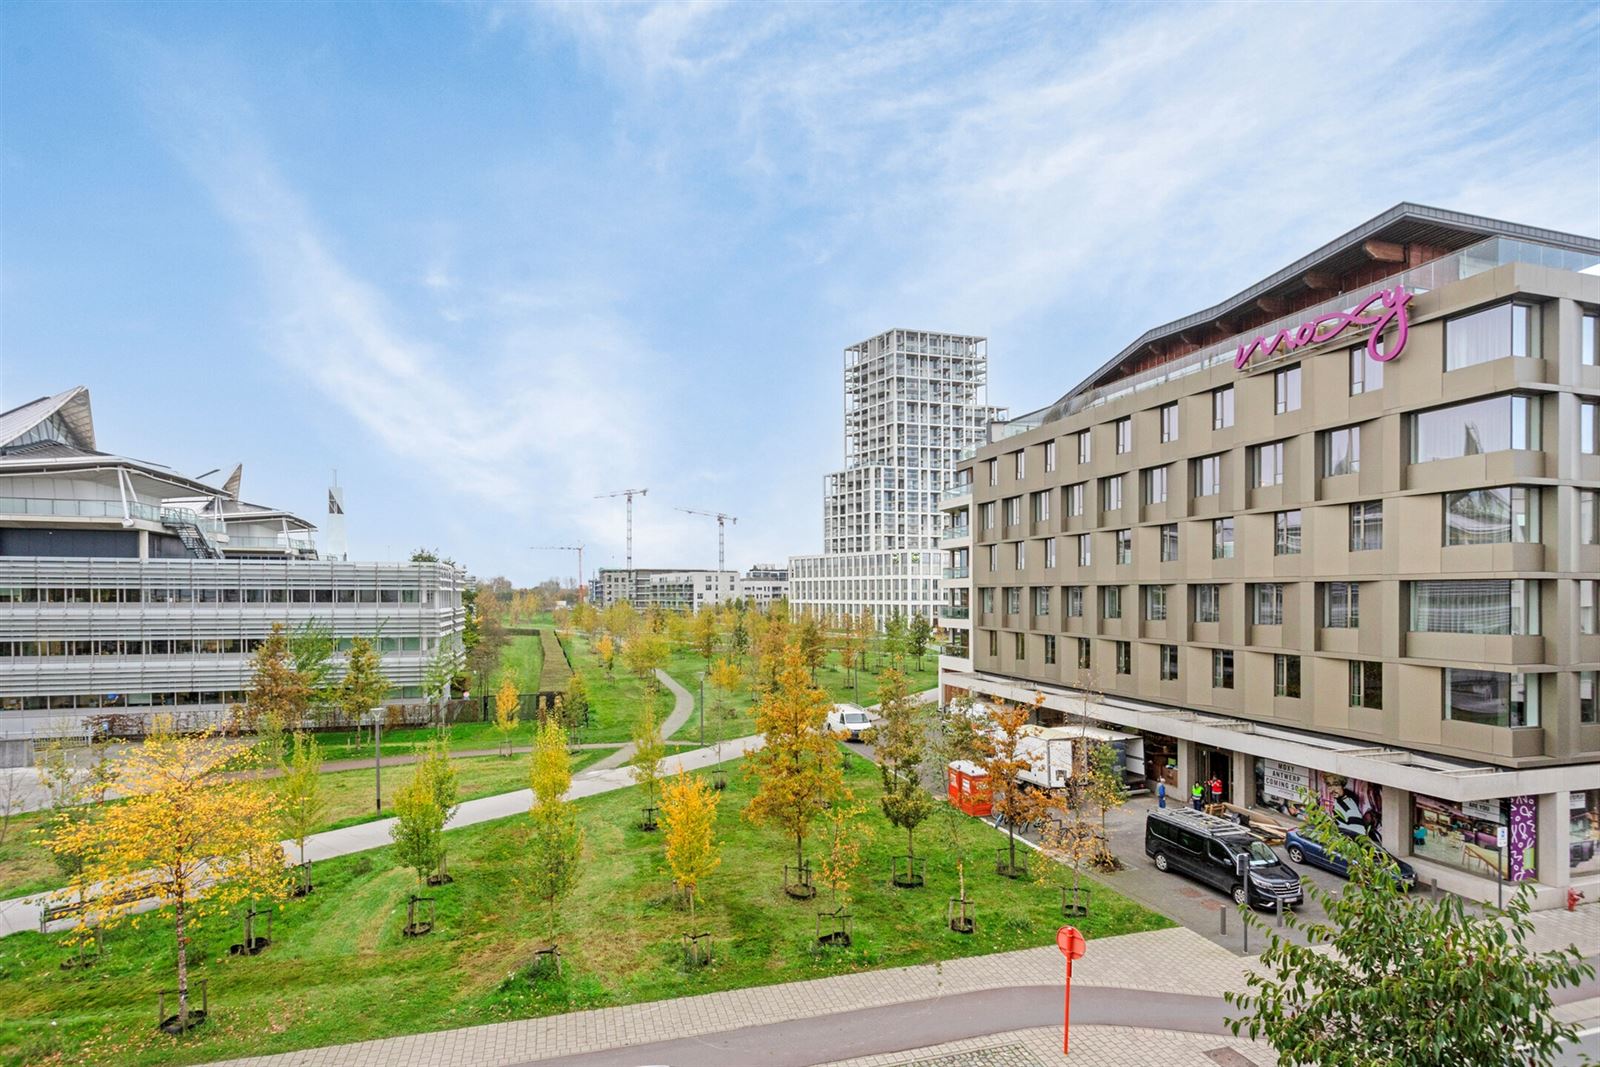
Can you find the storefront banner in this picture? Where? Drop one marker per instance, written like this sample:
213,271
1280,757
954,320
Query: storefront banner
1521,857
1285,781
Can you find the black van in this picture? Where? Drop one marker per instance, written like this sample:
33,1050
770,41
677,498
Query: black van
1207,849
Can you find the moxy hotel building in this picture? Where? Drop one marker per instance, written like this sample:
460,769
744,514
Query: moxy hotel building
1338,533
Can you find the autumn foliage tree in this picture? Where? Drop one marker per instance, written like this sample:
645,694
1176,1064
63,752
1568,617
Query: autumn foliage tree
301,799
507,708
606,649
901,748
279,693
725,679
648,752
689,812
1011,799
555,841
363,686
186,834
799,769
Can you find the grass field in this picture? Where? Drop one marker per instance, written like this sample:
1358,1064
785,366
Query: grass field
523,656
340,971
26,866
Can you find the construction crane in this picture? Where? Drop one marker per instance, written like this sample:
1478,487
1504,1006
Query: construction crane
630,494
721,530
566,548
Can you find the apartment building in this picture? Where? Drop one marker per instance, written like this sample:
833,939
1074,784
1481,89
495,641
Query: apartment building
914,403
126,587
1338,533
682,589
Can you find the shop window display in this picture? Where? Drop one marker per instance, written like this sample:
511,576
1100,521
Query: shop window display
1464,834
1356,806
1584,850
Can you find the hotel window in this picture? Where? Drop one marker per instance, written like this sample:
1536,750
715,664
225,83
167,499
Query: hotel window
1341,605
1286,676
1366,684
1475,606
1074,499
1366,526
1049,552
1073,595
986,514
1019,646
1049,456
1019,461
1040,506
1503,330
1366,374
1493,425
1286,390
1286,533
1589,427
1169,663
1083,550
1207,603
1155,485
1169,543
1586,606
1049,650
1155,603
1589,340
994,643
994,472
1124,657
986,597
1266,465
1041,600
1013,600
1111,493
1222,538
1222,408
1021,549
1207,475
1124,428
1589,516
1491,698
1111,602
1083,447
1341,451
1013,510
1169,422
994,559
1589,696
1124,546
1083,654
1266,604
1505,515
1222,668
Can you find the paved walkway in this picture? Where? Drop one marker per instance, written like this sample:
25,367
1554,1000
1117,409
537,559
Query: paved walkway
1092,1046
682,709
1179,969
22,913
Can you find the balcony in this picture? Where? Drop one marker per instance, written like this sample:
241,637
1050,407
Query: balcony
956,492
957,572
955,533
953,611
50,507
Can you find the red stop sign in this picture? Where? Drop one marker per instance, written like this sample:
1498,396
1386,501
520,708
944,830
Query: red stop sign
1070,942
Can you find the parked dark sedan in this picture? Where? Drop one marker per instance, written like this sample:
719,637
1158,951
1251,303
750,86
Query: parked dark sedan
1305,849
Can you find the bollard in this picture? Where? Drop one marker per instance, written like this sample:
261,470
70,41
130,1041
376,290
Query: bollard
1223,915
1279,903
1244,922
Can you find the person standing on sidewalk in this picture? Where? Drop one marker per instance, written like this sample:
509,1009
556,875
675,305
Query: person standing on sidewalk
1216,790
1197,796
1161,794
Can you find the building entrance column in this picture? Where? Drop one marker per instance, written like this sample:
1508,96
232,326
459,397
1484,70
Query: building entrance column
1242,782
1186,769
1553,839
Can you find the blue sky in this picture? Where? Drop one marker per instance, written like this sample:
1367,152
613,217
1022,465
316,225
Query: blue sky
491,260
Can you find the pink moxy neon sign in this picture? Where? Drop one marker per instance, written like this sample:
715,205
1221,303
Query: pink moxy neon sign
1325,328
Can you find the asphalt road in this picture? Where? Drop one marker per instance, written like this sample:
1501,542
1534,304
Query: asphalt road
919,1024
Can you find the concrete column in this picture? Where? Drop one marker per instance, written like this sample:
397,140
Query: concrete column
1186,758
1553,844
1243,785
144,544
1396,820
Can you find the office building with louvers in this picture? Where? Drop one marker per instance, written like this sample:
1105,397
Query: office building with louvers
128,588
1336,535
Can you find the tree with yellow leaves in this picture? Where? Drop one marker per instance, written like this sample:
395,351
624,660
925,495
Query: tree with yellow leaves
705,633
555,841
648,752
689,810
843,835
725,679
1005,760
507,705
304,806
186,835
606,649
645,653
798,770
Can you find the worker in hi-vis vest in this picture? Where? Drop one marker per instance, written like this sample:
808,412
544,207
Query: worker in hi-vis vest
1197,794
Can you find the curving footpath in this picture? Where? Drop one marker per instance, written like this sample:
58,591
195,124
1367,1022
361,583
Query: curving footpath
682,709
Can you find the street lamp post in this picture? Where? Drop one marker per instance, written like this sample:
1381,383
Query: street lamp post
377,757
702,708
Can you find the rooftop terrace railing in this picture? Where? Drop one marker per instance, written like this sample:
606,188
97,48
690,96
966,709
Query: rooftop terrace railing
46,507
1459,265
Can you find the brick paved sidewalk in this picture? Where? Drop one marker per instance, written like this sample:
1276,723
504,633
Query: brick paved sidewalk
1176,961
1092,1046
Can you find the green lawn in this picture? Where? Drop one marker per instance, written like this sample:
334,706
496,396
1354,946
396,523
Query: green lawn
340,971
26,866
523,656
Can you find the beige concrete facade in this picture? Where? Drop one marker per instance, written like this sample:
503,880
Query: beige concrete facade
1165,431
